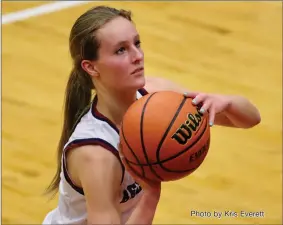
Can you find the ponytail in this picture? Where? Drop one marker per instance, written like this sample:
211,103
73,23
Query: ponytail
83,45
77,101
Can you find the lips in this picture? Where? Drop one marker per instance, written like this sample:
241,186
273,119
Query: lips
137,70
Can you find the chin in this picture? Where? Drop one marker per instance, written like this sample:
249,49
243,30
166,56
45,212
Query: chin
140,82
134,84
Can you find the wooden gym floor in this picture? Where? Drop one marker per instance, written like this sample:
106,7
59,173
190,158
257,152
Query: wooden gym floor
226,47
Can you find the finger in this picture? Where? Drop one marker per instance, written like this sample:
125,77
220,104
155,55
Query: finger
205,107
190,94
211,116
141,182
138,179
123,160
198,99
128,169
120,147
122,157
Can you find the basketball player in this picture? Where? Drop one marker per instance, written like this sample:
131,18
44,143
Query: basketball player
94,186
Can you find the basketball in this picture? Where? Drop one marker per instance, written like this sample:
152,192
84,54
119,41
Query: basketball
164,137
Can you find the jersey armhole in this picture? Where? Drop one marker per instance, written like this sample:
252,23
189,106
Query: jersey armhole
88,141
143,92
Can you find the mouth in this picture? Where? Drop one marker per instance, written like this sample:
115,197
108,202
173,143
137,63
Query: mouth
140,69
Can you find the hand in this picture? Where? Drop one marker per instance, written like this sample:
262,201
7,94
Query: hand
211,103
147,185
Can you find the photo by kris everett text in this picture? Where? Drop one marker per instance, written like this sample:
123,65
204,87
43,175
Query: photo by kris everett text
227,213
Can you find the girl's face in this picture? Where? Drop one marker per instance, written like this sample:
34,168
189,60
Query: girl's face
121,59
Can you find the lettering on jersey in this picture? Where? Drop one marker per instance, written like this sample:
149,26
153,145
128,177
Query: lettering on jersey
131,191
184,132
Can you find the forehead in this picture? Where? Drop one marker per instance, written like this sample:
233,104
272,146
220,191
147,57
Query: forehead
118,29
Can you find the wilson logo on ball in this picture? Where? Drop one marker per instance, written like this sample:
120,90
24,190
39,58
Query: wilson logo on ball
184,132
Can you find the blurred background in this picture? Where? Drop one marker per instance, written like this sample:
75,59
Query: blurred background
223,47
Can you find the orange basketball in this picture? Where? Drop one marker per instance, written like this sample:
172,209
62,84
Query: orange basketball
164,137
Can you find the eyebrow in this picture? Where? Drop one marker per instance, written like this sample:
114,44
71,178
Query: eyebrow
137,36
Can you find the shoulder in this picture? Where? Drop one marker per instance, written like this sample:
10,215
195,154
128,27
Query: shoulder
155,84
91,161
95,170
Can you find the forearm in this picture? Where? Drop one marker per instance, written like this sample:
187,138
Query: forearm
111,216
144,211
241,113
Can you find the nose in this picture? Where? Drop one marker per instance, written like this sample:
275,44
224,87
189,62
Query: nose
137,55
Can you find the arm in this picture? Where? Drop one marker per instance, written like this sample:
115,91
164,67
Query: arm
99,173
240,113
145,210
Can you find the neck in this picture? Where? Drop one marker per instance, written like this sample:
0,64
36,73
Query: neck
114,104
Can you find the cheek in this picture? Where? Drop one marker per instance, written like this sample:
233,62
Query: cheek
114,71
117,68
121,67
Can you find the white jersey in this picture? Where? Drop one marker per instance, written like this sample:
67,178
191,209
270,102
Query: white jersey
92,129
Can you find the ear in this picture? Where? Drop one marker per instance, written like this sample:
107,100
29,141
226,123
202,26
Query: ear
90,68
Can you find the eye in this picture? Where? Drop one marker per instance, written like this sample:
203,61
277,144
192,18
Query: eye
138,43
120,51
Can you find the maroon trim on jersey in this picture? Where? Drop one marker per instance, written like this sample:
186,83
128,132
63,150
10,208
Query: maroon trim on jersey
89,141
142,91
100,116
